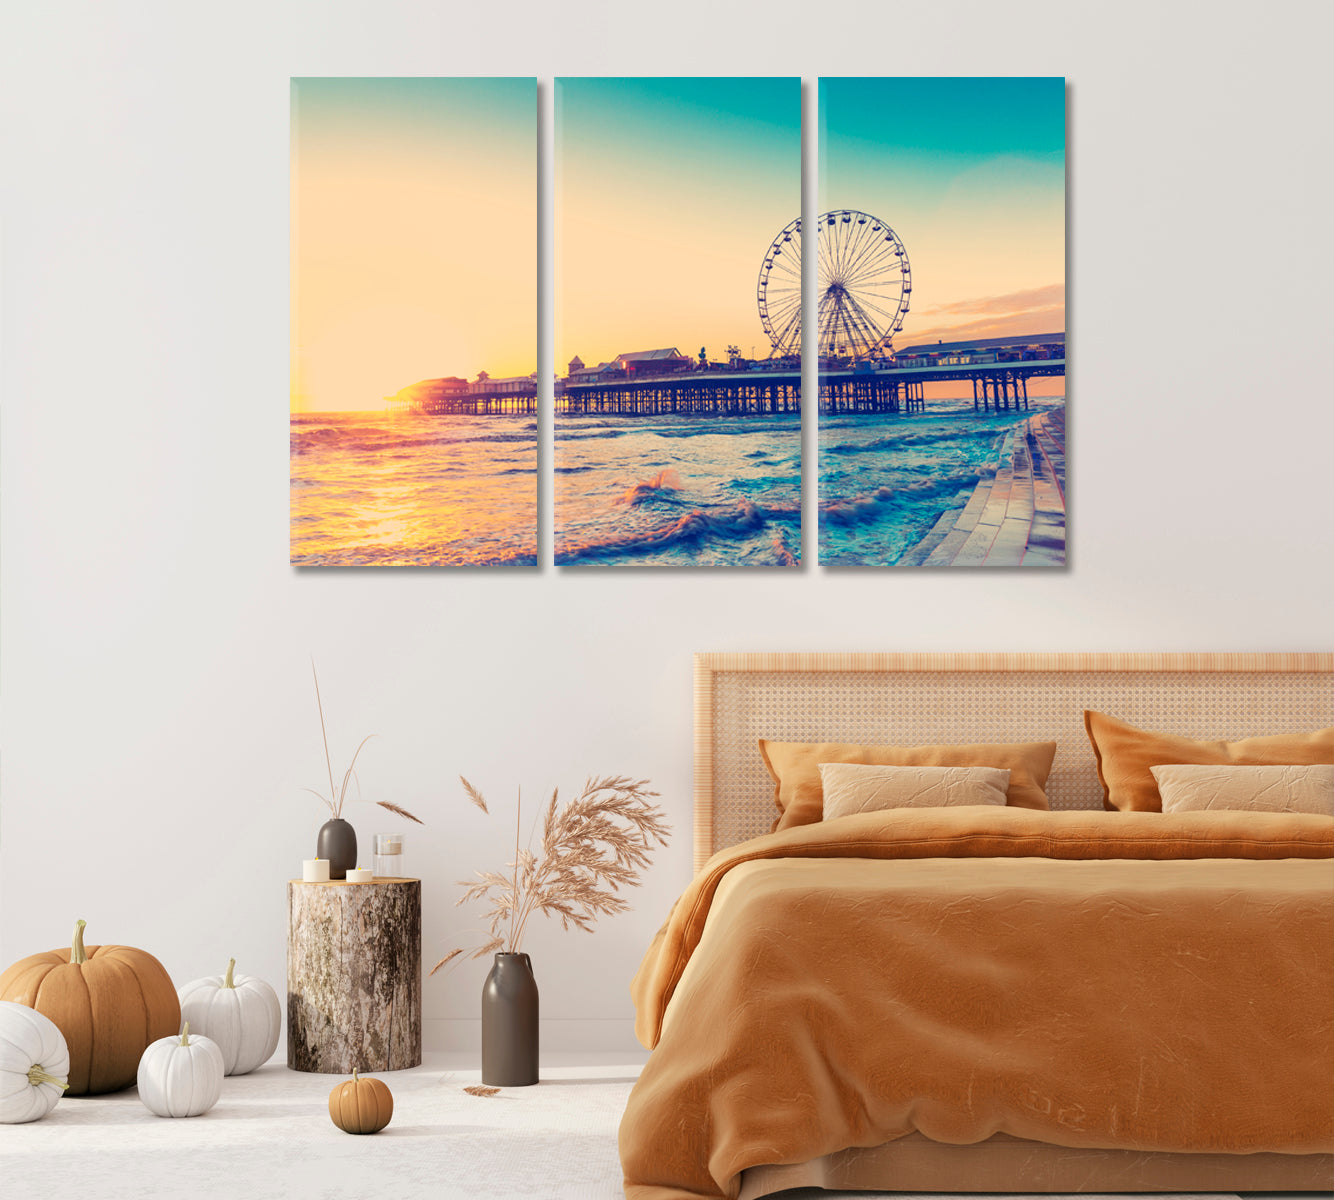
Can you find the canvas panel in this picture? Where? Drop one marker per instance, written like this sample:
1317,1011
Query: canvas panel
414,322
941,317
678,422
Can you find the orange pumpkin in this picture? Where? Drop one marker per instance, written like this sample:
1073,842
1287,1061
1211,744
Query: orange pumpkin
361,1105
110,1002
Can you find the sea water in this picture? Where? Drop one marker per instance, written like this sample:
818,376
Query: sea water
377,488
388,489
678,490
886,478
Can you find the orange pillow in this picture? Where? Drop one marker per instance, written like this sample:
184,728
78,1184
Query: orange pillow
1126,754
795,767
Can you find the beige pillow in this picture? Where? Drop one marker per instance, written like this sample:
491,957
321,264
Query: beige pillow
795,767
1125,755
1191,788
854,788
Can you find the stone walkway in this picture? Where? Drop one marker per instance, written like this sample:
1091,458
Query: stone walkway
1014,518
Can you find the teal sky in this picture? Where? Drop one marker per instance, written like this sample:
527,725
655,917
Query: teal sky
687,120
436,113
668,193
943,122
971,175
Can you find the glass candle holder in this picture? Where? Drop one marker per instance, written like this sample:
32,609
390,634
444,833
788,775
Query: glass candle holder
388,856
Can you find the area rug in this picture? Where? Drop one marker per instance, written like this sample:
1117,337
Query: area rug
270,1138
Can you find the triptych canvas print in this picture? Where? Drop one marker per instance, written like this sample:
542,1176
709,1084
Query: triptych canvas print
937,334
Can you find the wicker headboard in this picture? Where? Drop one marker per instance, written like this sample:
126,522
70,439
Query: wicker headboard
922,698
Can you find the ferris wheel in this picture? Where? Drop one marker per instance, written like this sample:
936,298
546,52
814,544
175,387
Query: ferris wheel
865,282
779,291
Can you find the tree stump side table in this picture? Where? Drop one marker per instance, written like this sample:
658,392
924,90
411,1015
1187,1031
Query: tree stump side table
354,979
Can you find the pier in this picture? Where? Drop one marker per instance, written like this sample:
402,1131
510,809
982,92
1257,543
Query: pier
454,397
467,405
998,369
997,386
665,382
706,393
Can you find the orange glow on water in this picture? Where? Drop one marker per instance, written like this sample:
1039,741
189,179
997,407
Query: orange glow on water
371,489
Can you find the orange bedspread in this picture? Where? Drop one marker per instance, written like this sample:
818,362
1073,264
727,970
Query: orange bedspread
1088,979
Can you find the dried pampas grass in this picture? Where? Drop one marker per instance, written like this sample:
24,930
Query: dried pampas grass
592,846
478,1090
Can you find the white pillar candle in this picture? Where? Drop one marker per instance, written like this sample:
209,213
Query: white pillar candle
359,875
315,870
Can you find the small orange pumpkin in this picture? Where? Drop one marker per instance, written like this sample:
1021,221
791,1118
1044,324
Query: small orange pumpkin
361,1105
110,1002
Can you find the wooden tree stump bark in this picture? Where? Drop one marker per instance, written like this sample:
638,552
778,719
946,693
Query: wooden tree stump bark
354,980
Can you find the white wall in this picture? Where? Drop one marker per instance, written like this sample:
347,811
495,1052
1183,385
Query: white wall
154,643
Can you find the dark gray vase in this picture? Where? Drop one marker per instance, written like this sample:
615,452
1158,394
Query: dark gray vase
509,1023
338,843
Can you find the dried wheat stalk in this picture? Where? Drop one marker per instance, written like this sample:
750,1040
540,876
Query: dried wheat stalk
334,800
592,846
402,812
474,795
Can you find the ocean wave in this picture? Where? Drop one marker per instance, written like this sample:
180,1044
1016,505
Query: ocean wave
400,556
492,439
906,440
743,520
763,484
310,439
783,554
588,435
386,442
875,504
666,480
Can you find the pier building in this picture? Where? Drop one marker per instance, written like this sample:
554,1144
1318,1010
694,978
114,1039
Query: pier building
484,396
654,362
998,369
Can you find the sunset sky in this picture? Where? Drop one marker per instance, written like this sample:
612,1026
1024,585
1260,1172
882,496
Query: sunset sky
414,235
970,173
668,193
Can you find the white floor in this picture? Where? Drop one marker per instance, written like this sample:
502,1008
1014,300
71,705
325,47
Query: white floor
270,1137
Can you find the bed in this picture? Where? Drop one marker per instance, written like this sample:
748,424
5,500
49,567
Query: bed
990,999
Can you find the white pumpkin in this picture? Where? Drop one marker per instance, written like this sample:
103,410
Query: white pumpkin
34,1063
181,1076
241,1013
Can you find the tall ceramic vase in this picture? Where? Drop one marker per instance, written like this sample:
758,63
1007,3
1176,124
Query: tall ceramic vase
509,1023
338,843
